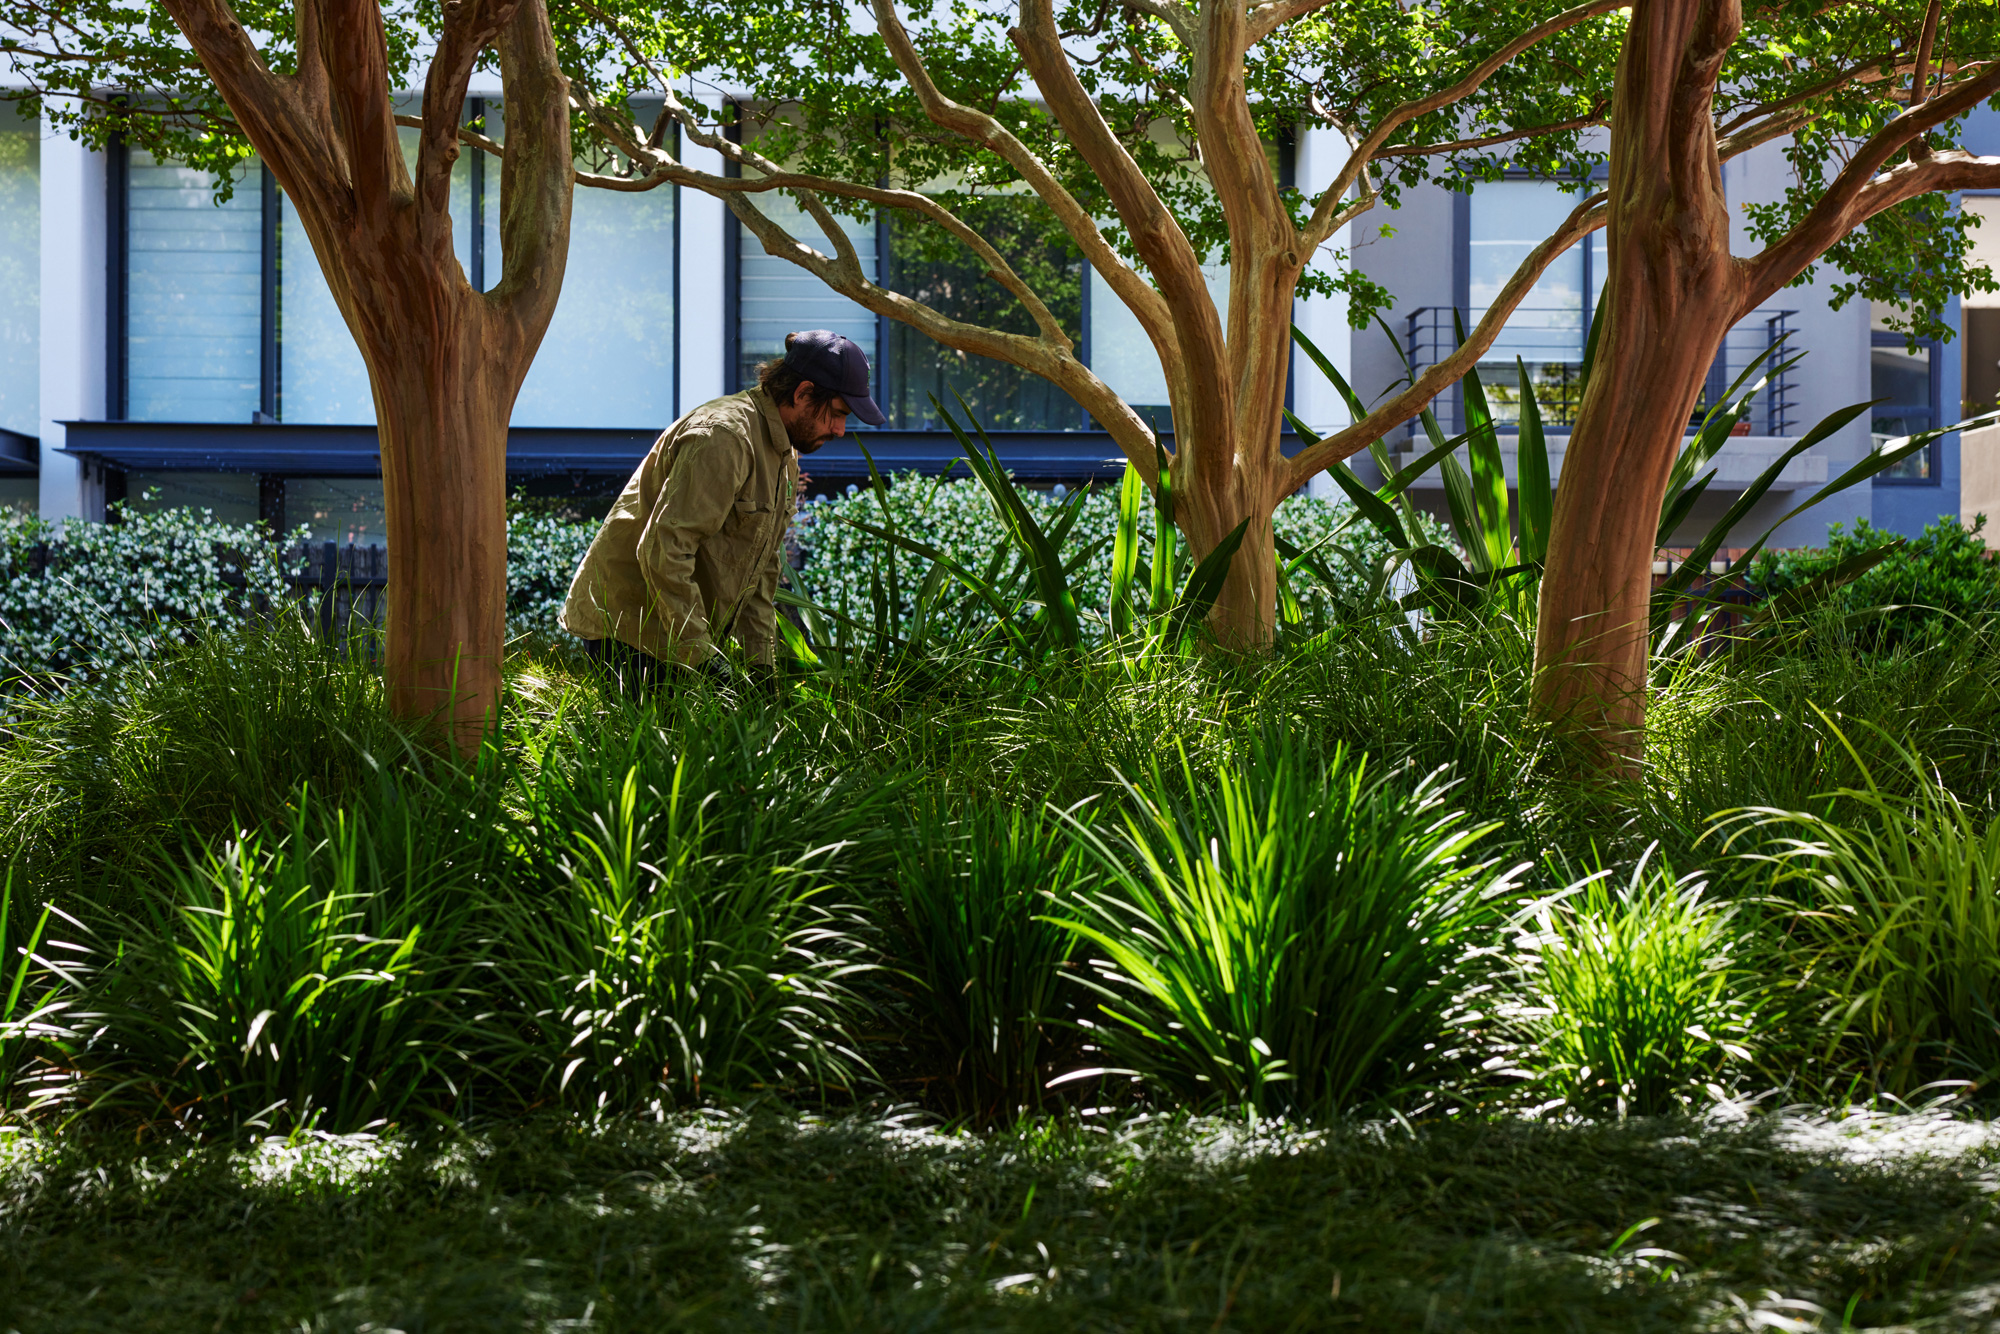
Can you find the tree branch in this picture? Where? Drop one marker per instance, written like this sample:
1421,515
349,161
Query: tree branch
469,27
662,167
1176,270
468,136
1584,219
1858,194
535,188
292,141
1171,13
1820,89
1031,354
1321,226
980,128
355,50
1920,78
1488,140
1267,18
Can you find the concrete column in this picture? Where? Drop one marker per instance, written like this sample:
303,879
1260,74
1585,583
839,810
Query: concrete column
702,220
72,318
1321,153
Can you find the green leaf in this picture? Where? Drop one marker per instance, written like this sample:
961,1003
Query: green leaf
1204,585
1464,512
1532,486
1043,557
1489,474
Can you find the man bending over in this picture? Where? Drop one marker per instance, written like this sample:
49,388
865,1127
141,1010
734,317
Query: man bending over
689,555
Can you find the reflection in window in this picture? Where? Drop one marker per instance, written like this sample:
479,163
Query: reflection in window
20,274
337,509
231,496
194,294
928,265
1123,357
1904,379
1547,331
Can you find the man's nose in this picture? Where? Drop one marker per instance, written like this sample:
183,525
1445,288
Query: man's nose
840,426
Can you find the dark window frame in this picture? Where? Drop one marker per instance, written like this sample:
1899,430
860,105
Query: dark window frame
1933,453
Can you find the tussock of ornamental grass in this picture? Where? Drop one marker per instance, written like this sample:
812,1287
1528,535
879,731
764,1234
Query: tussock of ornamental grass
766,1220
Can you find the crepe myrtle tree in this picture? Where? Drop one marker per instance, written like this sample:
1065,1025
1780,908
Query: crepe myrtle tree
308,86
1140,127
1868,98
1139,132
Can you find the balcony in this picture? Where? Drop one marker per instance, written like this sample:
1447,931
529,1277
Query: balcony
1739,462
1551,342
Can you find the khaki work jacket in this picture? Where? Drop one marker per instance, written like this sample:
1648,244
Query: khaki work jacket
690,552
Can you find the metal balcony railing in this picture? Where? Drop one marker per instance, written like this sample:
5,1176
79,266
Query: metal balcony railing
1551,343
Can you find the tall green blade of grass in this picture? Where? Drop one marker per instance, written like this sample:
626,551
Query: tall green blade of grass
1897,915
18,1021
1125,551
1492,524
974,887
1041,549
1166,537
1286,936
1532,486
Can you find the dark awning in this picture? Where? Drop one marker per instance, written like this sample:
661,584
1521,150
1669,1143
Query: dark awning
20,455
352,451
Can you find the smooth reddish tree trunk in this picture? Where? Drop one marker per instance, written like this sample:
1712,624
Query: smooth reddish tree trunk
1672,292
443,427
445,362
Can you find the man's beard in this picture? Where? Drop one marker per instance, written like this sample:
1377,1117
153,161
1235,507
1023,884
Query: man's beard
804,448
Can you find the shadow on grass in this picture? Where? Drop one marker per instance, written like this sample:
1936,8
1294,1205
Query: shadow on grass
766,1221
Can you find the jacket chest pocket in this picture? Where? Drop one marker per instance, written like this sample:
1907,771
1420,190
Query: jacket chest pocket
751,518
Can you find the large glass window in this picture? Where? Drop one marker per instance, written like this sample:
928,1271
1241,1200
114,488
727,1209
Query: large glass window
608,358
321,377
927,264
1123,357
20,273
231,496
776,297
1547,331
1907,379
194,294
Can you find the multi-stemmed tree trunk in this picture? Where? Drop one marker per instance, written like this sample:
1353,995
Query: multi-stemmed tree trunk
445,362
1673,292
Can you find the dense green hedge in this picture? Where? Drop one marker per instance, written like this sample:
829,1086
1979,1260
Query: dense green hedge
1934,584
81,596
956,516
111,593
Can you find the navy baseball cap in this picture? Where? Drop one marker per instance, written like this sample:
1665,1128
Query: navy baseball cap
834,362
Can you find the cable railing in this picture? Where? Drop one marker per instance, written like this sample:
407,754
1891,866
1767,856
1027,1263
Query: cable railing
1550,342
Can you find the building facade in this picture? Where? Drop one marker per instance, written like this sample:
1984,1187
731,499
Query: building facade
161,344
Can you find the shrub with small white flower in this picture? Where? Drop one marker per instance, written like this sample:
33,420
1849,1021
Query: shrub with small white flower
957,517
543,551
76,598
